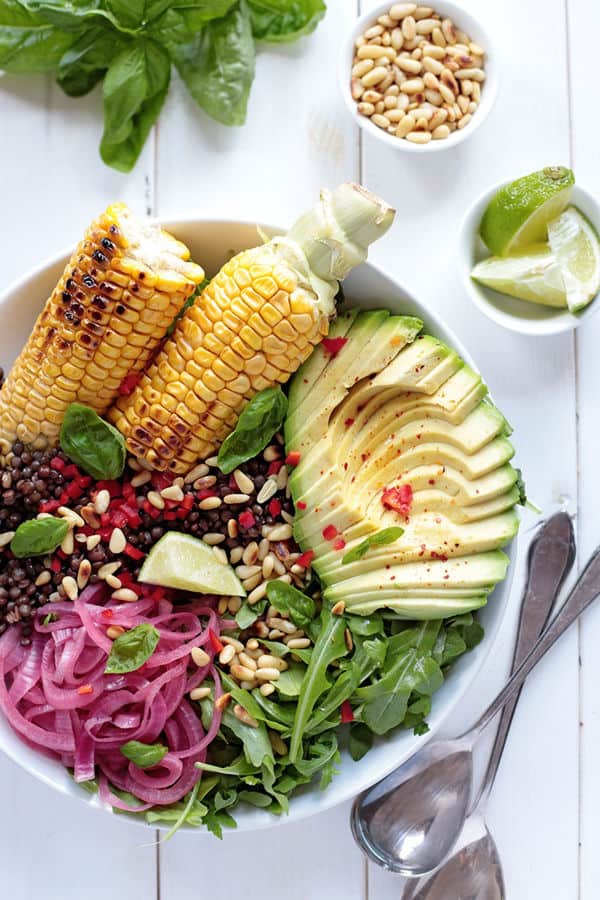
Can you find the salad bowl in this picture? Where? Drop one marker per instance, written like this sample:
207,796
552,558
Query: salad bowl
213,242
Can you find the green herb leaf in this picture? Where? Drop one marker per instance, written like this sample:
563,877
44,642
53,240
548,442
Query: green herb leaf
51,617
260,420
288,599
131,650
380,539
360,741
144,755
182,20
217,67
330,645
135,88
36,537
247,615
289,683
28,42
285,20
93,444
85,63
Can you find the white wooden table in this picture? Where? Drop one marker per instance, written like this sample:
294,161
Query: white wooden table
298,138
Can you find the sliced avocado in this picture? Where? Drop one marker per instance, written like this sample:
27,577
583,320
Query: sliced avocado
313,368
417,421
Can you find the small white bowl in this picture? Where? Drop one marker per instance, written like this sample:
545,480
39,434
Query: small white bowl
518,315
489,90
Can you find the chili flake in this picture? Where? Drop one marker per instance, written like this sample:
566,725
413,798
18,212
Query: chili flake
333,345
330,532
398,498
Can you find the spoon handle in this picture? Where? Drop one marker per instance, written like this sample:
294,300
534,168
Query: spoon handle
585,592
551,556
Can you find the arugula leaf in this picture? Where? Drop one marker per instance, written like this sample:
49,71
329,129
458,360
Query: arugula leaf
379,539
217,67
28,42
144,755
255,741
85,63
135,88
93,444
36,537
284,20
330,645
288,599
132,649
360,741
247,615
289,683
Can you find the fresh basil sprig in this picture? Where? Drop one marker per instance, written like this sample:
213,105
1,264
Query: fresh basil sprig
379,539
132,649
288,599
36,537
132,45
144,755
91,443
260,420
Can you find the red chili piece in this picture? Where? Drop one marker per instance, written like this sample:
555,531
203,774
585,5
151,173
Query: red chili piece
274,467
300,504
293,458
339,544
330,532
214,641
246,519
333,345
128,384
398,498
85,689
346,712
305,559
349,422
274,507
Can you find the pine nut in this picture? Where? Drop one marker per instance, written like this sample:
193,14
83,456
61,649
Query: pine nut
281,533
437,36
43,578
464,121
257,594
475,49
476,92
222,606
405,126
472,74
6,537
247,661
432,65
338,609
394,115
438,118
400,10
220,554
279,746
298,643
197,472
434,97
206,481
226,655
250,554
430,81
241,673
71,516
374,31
368,97
440,132
234,604
373,77
117,542
173,492
446,93
252,582
449,31
236,553
102,501
208,503
267,674
200,657
267,566
244,716
422,12
267,689
70,587
125,595
212,538
361,68
386,21
141,478
426,26
397,39
155,499
463,103
235,499
466,86
114,631
243,481
108,569
222,701
271,662
413,86
83,573
407,64
232,528
200,693
243,571
232,642
472,107
380,120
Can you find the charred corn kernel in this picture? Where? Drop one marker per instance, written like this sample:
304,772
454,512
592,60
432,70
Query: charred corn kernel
253,326
123,286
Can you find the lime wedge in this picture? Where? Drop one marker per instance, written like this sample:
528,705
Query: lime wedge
533,275
186,563
519,213
574,242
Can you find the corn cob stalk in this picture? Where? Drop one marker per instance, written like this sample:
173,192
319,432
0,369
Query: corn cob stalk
119,292
253,326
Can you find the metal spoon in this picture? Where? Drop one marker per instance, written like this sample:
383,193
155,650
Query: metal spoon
410,821
474,869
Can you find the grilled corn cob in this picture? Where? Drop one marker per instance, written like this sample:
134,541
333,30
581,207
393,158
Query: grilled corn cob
123,286
252,327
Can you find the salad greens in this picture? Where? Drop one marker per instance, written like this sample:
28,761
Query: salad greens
144,755
379,539
131,46
36,537
93,444
131,649
376,673
260,420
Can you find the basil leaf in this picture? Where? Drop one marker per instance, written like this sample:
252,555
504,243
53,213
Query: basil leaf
135,88
144,755
182,20
285,20
288,599
260,420
247,615
93,444
217,66
85,63
36,537
380,539
28,43
131,650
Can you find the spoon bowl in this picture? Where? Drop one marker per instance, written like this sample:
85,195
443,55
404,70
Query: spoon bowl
409,821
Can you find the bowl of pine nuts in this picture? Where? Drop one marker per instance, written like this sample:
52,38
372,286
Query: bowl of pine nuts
419,78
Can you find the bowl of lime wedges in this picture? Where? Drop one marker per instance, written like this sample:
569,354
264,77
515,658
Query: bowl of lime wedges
529,253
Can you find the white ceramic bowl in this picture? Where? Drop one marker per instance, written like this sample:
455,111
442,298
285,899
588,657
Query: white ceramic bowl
518,315
465,22
211,244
